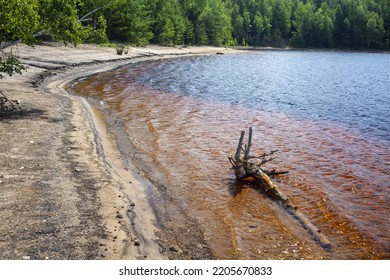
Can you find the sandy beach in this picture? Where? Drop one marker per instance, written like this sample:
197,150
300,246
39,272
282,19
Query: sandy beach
64,191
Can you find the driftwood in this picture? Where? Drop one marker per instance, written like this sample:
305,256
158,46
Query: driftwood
248,166
7,105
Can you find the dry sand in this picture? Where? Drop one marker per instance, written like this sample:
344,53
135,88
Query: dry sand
64,191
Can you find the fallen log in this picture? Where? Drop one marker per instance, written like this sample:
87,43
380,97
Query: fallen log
248,166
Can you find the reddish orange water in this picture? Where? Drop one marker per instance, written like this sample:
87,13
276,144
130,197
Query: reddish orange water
338,178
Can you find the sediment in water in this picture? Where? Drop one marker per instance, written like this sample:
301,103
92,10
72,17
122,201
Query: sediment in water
65,193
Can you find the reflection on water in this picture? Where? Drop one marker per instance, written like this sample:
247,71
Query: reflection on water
339,175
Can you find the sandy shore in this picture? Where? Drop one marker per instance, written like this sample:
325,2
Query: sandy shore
64,191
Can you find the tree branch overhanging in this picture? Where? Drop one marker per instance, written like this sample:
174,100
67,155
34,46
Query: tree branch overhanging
84,18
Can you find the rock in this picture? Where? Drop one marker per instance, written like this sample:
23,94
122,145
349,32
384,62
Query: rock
132,204
26,258
136,242
173,249
119,216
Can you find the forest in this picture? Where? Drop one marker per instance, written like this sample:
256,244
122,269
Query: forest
344,24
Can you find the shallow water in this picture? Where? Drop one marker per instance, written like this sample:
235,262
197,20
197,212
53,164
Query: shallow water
327,115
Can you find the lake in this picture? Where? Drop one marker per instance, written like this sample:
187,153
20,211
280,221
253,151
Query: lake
178,120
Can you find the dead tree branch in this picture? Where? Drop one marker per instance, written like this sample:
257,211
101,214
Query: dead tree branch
84,18
7,105
251,167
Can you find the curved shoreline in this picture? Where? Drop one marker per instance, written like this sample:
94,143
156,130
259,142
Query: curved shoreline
63,183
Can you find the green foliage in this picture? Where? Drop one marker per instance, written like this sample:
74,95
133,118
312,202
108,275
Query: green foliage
300,23
9,64
167,35
281,17
375,31
323,26
357,24
60,20
216,23
170,25
303,22
129,21
189,35
91,14
96,34
19,20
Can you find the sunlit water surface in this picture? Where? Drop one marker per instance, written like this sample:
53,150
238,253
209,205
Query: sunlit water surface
326,113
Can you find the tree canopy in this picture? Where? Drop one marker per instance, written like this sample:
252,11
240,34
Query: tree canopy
354,24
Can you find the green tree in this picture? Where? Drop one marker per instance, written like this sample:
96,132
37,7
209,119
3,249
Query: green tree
189,35
129,21
237,23
324,26
385,14
170,23
266,10
281,18
167,35
211,21
259,30
19,20
97,33
375,31
92,16
303,20
214,23
60,20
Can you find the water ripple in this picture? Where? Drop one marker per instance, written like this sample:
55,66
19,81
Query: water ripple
327,113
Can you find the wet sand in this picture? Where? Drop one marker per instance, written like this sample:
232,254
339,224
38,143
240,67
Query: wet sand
65,192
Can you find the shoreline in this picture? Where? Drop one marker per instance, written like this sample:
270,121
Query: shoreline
63,183
329,50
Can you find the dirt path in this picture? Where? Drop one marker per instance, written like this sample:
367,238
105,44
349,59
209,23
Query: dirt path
64,192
